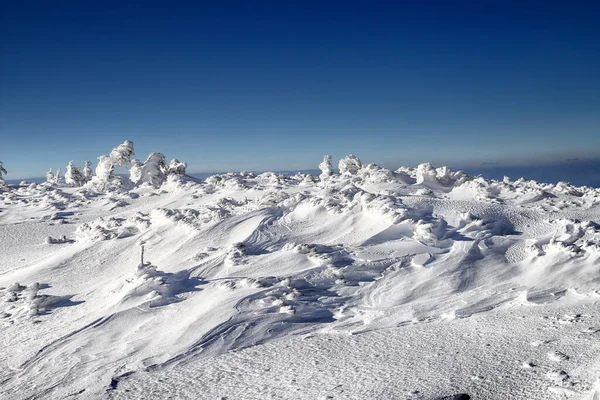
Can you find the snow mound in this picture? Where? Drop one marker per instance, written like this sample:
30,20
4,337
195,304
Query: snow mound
155,288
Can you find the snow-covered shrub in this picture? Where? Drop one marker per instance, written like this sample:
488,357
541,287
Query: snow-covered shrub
135,173
60,240
154,170
349,165
193,218
566,188
326,167
447,177
376,174
426,174
108,229
73,176
308,180
271,198
229,181
236,254
153,287
22,302
176,167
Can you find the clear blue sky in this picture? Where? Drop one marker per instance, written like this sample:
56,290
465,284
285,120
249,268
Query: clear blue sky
260,85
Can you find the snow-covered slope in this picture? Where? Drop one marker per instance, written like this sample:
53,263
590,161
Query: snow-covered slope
420,283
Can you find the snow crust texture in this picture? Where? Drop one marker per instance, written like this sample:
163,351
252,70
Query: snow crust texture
420,283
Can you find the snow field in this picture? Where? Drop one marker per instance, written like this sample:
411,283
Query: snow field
419,283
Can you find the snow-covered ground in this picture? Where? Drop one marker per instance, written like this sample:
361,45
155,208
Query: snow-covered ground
419,283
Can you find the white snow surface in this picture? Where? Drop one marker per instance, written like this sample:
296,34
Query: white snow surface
420,283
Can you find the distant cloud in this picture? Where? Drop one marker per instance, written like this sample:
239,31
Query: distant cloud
582,159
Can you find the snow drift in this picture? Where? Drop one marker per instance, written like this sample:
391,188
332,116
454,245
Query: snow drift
246,266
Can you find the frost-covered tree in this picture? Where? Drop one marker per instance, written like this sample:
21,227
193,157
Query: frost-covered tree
105,170
58,177
349,165
135,173
73,176
120,156
87,171
50,176
2,173
154,170
326,167
425,172
176,167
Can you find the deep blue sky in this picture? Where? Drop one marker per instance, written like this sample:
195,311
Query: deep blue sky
275,85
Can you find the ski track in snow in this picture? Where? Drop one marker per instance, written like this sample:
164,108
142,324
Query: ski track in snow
418,284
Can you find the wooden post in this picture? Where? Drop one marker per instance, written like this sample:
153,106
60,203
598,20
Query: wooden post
142,255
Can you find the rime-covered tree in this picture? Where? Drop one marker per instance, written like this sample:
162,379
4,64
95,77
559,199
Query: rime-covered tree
154,170
105,170
50,178
326,168
425,172
121,155
349,165
2,173
87,171
176,167
58,177
135,173
73,176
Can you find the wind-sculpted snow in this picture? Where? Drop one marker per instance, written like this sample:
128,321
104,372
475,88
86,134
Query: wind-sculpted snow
153,287
246,261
